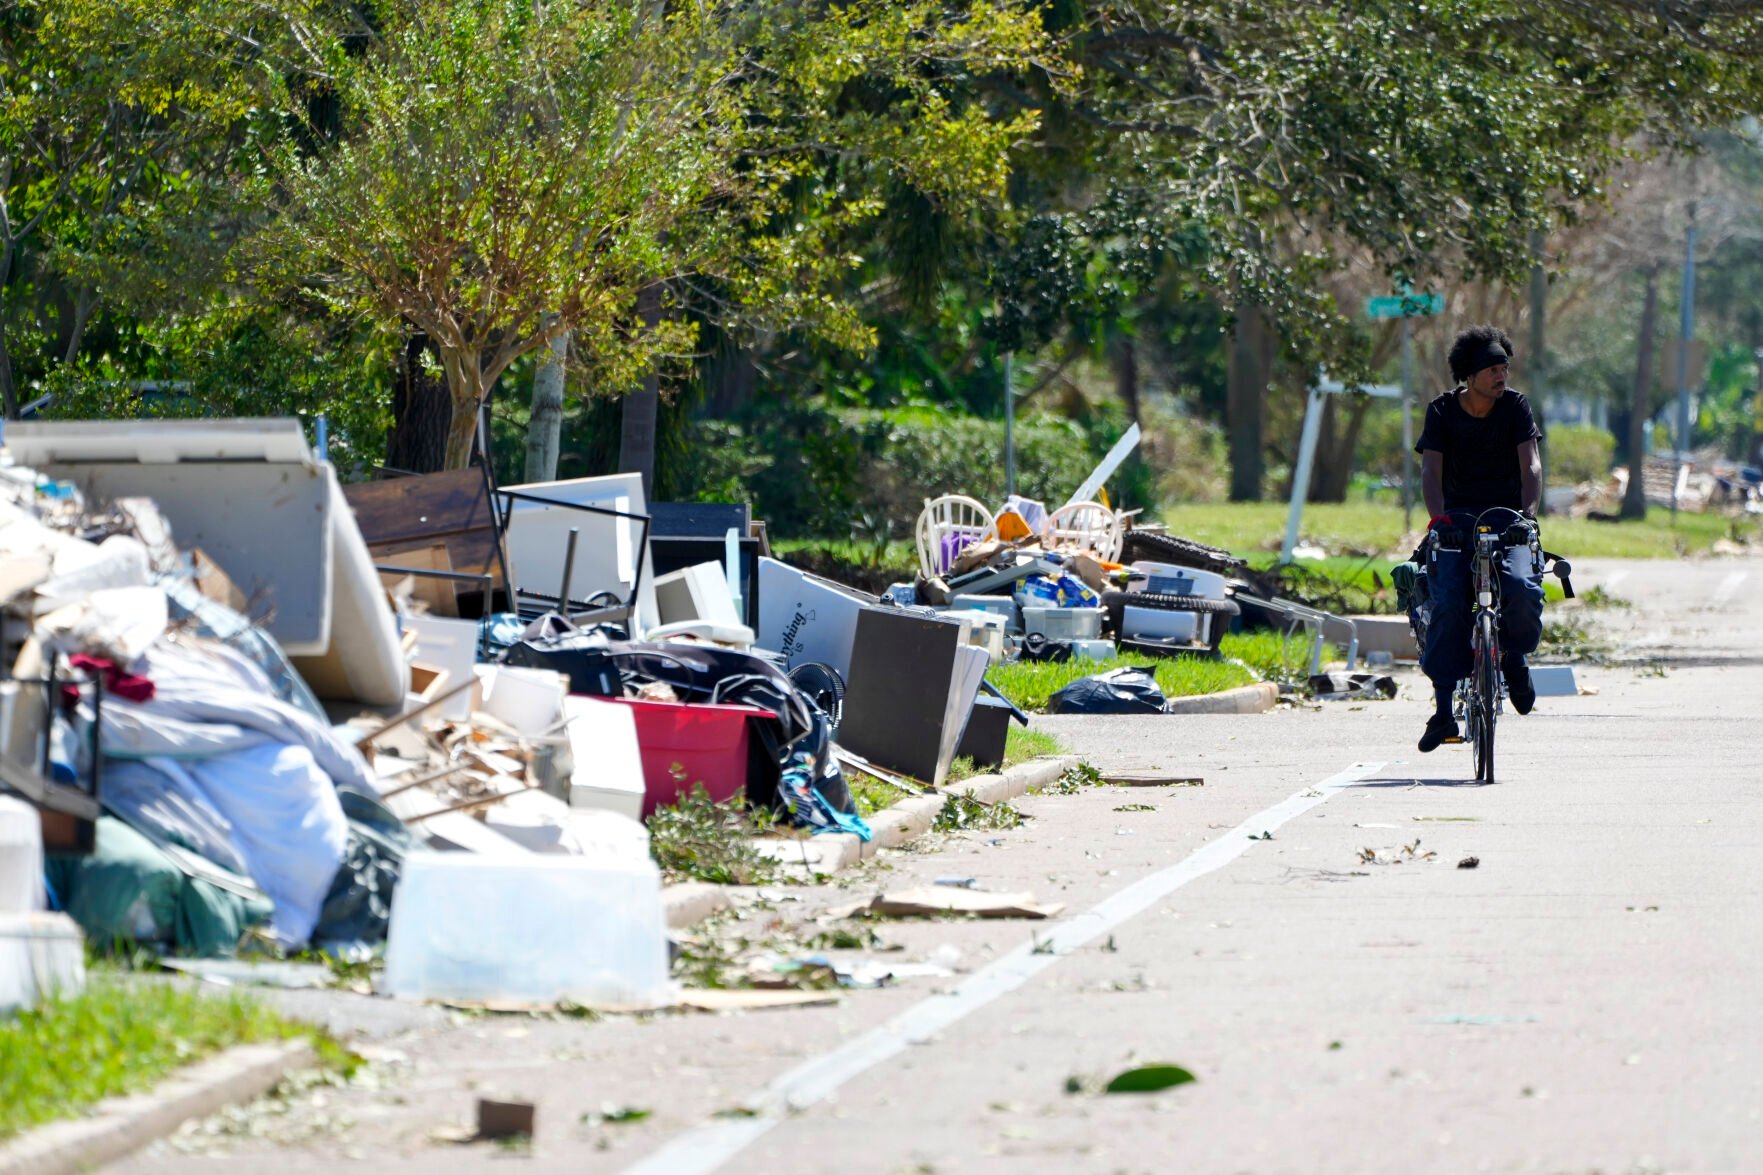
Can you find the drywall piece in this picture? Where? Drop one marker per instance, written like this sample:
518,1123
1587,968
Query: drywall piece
542,928
806,618
451,646
698,592
607,771
1554,681
529,700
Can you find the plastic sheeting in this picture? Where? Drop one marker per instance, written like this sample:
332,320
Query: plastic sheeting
242,777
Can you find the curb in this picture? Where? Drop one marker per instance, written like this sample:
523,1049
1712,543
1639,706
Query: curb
1245,699
689,903
117,1126
899,824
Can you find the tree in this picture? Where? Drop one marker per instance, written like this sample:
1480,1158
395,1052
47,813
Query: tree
508,172
113,117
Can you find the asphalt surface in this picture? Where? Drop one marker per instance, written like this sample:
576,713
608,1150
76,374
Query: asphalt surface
1348,998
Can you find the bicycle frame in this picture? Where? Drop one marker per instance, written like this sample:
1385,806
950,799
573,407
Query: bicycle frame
1481,696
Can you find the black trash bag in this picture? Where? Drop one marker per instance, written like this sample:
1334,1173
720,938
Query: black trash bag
1119,691
584,656
1037,647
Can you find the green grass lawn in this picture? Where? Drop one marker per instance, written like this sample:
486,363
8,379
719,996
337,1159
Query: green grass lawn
119,1036
1367,529
1031,683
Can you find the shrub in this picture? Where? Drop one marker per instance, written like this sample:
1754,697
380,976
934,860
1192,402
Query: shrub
1578,453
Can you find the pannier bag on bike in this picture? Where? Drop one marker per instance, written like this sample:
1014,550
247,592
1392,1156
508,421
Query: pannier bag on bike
1413,596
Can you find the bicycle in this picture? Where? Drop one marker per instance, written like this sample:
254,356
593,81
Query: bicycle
1477,699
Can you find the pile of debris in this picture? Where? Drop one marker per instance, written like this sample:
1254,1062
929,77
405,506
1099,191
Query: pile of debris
429,714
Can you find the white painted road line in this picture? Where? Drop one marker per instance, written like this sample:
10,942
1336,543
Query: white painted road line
1729,587
706,1148
1616,577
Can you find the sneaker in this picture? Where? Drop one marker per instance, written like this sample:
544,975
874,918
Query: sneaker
1519,690
1439,728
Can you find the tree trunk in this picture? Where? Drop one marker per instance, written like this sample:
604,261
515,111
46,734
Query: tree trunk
1333,473
732,378
636,443
1634,499
1126,375
8,385
85,303
544,431
422,410
465,387
1246,403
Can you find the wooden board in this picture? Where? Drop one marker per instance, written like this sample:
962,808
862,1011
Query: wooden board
406,514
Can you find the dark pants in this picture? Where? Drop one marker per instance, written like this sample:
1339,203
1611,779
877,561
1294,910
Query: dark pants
1447,656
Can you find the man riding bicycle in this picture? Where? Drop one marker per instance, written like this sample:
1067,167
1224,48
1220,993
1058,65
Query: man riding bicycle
1478,450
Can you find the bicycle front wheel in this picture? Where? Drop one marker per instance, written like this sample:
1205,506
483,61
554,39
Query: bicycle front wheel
1485,698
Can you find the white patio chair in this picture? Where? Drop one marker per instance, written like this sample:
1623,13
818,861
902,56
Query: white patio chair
1086,526
946,526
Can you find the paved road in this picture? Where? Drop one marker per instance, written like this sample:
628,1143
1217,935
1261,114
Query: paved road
1350,1000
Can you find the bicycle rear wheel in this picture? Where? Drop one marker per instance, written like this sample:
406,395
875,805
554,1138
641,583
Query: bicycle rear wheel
1484,698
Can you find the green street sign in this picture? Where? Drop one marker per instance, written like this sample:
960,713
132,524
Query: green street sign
1404,305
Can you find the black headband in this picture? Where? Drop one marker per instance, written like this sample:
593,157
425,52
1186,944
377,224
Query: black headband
1491,354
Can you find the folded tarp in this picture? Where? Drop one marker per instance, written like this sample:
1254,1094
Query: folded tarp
130,891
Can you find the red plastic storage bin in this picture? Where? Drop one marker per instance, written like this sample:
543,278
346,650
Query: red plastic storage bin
684,743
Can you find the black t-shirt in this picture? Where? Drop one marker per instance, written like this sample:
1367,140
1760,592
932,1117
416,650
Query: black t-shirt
1481,454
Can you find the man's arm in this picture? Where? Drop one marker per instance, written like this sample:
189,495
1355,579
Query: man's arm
1432,481
1530,475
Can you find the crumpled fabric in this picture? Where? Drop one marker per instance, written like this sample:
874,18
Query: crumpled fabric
119,681
218,763
808,807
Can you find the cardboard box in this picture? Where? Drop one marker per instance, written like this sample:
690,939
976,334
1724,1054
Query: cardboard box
807,618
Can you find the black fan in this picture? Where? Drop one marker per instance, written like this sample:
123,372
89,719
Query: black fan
823,687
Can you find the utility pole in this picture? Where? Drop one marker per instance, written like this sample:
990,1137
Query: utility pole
1539,353
1009,424
1687,329
1407,424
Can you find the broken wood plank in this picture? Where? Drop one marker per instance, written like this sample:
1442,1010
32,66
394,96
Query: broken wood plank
1152,779
366,740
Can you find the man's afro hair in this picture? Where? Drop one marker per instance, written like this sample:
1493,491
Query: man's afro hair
1473,343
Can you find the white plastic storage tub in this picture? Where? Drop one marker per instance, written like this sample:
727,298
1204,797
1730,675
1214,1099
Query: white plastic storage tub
1004,606
1156,622
1063,624
528,930
1158,576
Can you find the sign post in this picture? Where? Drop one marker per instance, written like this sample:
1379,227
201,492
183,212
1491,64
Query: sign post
1405,306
